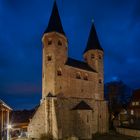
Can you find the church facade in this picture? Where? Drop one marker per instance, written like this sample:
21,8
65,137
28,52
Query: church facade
72,101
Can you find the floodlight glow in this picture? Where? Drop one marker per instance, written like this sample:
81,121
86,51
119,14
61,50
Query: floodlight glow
9,126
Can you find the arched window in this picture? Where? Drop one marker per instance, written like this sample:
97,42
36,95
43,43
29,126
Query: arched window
49,41
100,57
59,43
92,56
78,75
86,77
100,81
59,72
49,57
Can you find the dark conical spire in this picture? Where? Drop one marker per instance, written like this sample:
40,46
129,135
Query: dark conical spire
93,42
55,21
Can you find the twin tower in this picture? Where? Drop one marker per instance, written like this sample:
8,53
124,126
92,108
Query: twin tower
72,103
55,53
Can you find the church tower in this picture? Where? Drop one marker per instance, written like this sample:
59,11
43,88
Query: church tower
93,55
54,52
72,90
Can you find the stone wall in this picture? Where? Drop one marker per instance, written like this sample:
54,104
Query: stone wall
55,114
37,124
81,123
69,86
57,57
102,116
129,132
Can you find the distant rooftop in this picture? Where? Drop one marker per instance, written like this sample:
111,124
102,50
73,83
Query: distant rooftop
136,94
22,116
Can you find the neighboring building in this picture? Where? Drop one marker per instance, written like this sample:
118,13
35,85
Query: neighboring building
117,92
20,120
118,95
4,120
123,117
72,91
134,105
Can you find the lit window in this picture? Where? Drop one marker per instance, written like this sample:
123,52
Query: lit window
59,72
132,112
137,103
133,103
59,43
78,75
49,57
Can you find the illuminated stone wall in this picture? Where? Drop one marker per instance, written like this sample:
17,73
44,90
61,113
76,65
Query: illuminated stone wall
62,91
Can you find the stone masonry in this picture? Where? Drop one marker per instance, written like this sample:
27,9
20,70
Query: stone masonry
72,101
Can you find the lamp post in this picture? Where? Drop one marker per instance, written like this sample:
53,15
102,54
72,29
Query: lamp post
9,127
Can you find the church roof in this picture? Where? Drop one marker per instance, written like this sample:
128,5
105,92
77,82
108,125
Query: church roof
55,21
93,42
22,116
82,106
136,95
79,64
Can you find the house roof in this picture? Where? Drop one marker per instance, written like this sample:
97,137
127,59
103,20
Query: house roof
79,64
55,21
82,106
136,95
21,116
5,105
93,42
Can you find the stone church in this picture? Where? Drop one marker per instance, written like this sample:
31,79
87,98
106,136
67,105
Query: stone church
72,101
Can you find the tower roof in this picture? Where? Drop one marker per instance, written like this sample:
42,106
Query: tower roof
93,42
55,21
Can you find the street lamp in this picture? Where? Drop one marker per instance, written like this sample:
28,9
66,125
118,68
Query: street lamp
9,127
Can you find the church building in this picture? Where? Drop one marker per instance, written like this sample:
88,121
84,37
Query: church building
72,101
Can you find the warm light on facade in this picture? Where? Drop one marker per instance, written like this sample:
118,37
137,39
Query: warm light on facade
9,126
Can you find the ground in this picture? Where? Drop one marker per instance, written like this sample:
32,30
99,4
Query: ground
109,136
113,136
